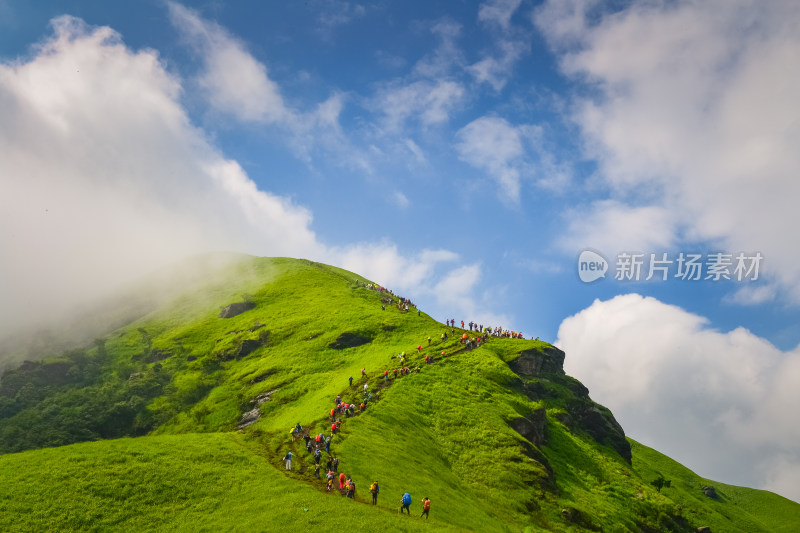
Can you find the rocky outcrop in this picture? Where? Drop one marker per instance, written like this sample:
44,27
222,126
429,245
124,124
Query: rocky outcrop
251,416
535,363
533,426
349,340
236,309
709,491
247,347
158,355
599,423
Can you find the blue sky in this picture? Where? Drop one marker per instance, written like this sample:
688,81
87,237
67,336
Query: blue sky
463,153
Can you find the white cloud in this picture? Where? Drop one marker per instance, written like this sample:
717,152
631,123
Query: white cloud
426,102
610,227
414,148
693,112
104,177
401,199
498,12
334,13
496,71
234,81
429,93
658,368
494,145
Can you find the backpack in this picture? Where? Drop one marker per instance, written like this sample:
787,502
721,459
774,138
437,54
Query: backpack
407,499
426,505
373,488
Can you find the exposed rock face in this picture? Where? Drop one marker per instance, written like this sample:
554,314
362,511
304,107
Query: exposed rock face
709,491
236,309
534,363
545,380
247,347
349,340
255,413
600,424
158,355
533,426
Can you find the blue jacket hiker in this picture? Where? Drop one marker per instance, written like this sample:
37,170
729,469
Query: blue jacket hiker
406,501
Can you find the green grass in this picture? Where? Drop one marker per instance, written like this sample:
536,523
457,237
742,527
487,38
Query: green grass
193,482
441,433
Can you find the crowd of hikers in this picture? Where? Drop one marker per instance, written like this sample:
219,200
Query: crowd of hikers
488,330
315,444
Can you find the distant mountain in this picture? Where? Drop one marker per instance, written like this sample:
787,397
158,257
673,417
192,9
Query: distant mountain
211,376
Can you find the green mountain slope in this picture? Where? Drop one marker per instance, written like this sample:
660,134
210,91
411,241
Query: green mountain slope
497,436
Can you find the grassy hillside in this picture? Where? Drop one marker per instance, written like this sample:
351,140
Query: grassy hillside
499,441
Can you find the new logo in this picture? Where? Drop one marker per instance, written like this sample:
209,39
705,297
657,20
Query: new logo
591,266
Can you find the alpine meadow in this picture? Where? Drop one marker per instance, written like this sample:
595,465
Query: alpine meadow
181,418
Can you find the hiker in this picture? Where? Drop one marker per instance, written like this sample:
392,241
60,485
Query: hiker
426,506
327,445
317,457
351,381
419,348
385,375
363,372
333,414
405,502
366,387
351,490
307,438
374,489
293,432
316,471
288,459
338,400
333,428
342,478
462,324
308,446
329,464
363,406
330,481
395,373
335,464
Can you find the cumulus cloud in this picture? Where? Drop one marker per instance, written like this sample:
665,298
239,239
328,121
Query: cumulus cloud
494,145
658,368
510,154
605,225
234,81
105,178
692,110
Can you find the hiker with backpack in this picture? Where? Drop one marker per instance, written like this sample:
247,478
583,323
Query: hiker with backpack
342,479
351,490
335,464
426,507
374,489
405,502
288,459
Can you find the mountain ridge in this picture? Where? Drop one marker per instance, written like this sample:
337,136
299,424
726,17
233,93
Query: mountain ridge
498,436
